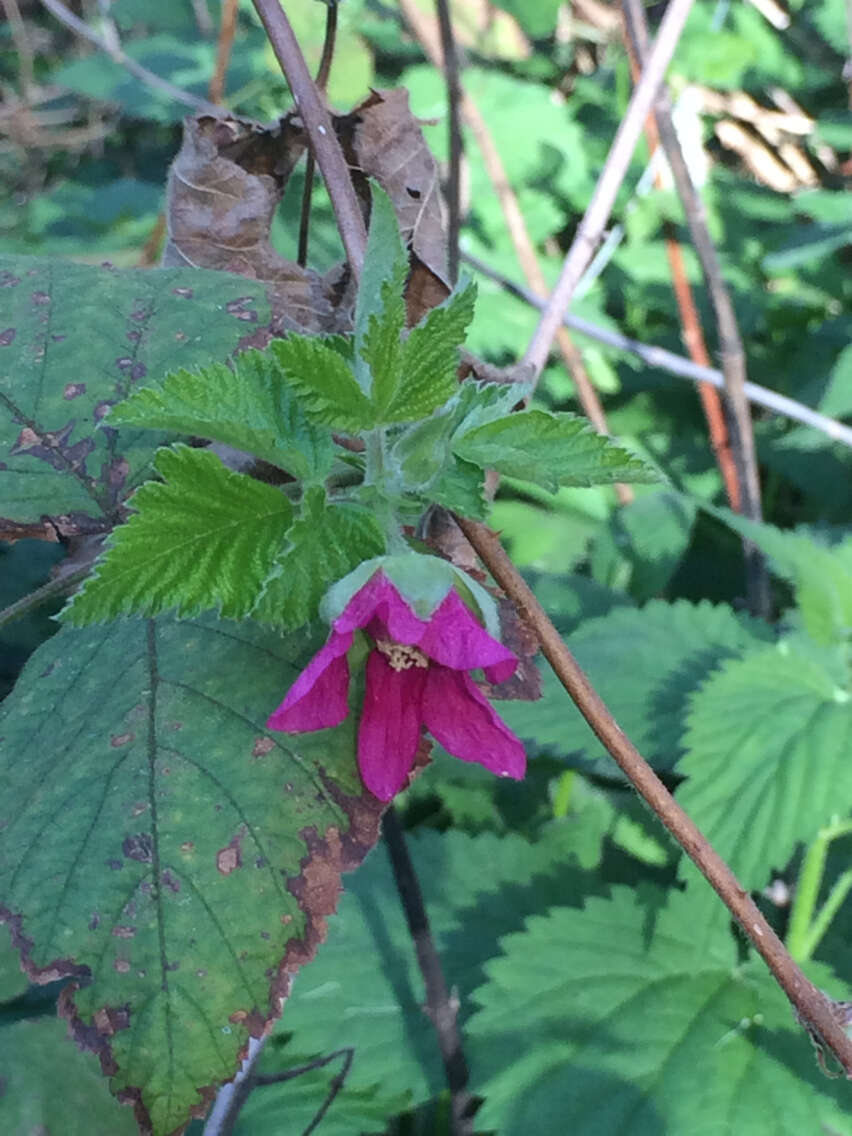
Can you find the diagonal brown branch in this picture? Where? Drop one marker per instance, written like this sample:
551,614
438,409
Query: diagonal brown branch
815,1010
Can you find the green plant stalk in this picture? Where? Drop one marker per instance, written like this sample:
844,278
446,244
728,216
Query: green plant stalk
802,936
826,914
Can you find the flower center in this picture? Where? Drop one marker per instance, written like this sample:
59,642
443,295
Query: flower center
401,657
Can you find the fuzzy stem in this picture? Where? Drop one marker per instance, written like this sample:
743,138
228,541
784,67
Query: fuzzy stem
800,933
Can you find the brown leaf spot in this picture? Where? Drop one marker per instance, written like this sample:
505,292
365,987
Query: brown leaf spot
229,858
117,471
185,292
73,390
286,919
40,298
170,880
187,847
122,966
110,1020
94,921
7,337
101,410
138,807
138,371
119,740
139,847
122,932
262,746
201,974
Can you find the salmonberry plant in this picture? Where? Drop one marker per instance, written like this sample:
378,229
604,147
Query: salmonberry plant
282,619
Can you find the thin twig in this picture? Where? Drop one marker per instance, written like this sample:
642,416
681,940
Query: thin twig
336,1084
440,1006
23,47
676,364
321,81
59,586
814,1009
731,351
454,96
234,1094
317,122
155,82
227,31
612,175
693,334
427,34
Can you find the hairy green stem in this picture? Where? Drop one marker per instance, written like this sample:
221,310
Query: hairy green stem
806,931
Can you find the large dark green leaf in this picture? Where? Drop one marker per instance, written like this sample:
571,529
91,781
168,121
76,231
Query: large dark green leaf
75,339
155,838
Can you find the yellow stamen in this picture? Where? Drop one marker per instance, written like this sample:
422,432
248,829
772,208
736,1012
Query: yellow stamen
400,656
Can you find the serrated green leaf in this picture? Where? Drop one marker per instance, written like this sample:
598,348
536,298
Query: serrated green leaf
461,487
204,538
380,307
639,1028
326,542
767,759
248,407
477,403
78,339
475,889
429,359
384,255
645,665
324,382
821,575
157,835
36,1053
550,450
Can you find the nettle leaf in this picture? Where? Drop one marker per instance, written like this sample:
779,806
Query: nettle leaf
767,758
247,406
640,1026
37,1053
476,889
550,450
477,403
204,538
77,338
380,306
326,542
821,575
324,382
645,664
429,359
197,856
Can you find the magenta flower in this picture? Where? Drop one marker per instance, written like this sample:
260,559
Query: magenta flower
416,676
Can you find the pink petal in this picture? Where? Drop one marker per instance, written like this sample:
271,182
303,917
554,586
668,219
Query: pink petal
455,639
460,717
390,725
380,604
318,699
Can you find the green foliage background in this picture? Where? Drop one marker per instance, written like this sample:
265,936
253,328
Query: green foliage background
599,983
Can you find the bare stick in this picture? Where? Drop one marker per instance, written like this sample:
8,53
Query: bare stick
317,120
731,351
323,72
227,31
440,1006
815,1010
427,34
155,82
693,334
58,586
615,168
233,1095
676,364
454,96
335,1085
23,47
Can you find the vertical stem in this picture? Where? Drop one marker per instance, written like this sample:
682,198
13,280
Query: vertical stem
317,120
808,887
227,31
454,95
310,163
440,1006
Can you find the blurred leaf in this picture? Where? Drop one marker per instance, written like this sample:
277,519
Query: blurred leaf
642,1024
645,665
